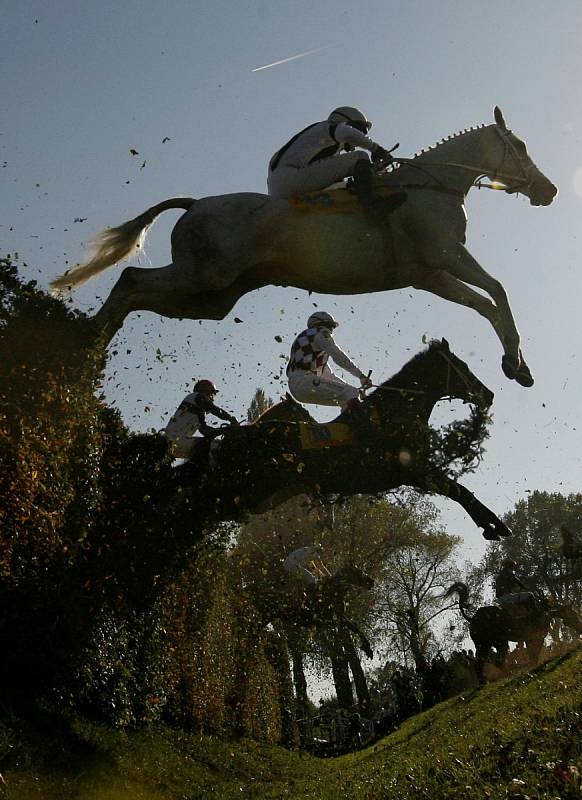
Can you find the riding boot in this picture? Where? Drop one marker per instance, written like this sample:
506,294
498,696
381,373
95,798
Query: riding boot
359,418
377,208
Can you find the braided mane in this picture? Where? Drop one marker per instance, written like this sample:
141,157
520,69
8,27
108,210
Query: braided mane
450,138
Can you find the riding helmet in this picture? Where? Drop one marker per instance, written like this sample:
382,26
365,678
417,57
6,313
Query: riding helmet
205,387
509,563
321,319
352,116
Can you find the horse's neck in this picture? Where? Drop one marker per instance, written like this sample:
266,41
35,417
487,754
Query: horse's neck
479,149
287,410
416,378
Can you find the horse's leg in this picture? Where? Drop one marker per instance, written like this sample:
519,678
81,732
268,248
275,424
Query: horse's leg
501,649
446,286
364,643
483,517
122,300
163,291
481,653
533,648
461,264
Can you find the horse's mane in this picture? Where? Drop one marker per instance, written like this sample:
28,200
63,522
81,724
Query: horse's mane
452,137
402,377
437,145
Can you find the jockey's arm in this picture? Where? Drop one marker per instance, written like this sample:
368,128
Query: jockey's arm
216,411
324,341
345,134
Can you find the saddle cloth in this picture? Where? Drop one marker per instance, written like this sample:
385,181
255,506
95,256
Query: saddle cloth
331,434
337,201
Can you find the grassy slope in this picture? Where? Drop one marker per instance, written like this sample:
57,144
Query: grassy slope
513,739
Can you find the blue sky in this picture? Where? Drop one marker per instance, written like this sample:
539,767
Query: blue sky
83,83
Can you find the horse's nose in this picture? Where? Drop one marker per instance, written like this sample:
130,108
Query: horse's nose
544,192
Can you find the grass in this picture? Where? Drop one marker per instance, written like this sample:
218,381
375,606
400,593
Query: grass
519,738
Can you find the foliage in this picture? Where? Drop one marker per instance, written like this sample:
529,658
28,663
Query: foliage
258,405
410,595
50,435
458,448
109,600
535,545
517,738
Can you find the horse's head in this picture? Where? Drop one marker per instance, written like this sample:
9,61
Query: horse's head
455,379
517,170
351,574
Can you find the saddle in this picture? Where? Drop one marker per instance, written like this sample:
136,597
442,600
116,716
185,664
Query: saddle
340,200
325,435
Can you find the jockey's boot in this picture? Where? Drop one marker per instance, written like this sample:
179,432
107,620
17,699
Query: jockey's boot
377,208
360,419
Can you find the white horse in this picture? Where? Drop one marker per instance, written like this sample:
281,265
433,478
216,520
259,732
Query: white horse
226,246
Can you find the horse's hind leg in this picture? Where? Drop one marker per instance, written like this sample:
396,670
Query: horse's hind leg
163,291
121,301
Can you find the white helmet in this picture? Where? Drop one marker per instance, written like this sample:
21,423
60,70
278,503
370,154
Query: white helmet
321,319
352,116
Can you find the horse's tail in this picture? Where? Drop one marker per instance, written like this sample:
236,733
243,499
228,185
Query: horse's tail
459,588
114,244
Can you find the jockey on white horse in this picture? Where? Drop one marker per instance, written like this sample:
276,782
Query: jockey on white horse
306,564
310,379
313,160
190,417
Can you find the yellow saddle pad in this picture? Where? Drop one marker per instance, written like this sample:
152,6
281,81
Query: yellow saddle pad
337,201
332,434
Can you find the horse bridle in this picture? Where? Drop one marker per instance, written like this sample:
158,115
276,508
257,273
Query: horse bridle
452,367
511,183
523,180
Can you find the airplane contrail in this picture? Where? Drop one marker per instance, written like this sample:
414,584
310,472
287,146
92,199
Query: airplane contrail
293,58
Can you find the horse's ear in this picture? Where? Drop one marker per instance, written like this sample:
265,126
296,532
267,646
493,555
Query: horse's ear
499,119
445,344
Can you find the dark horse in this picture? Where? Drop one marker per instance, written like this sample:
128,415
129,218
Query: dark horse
388,443
321,606
495,627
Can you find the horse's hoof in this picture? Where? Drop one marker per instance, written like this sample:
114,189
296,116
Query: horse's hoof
523,376
510,366
491,534
503,530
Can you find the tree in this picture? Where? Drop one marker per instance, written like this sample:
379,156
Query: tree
258,405
409,595
397,543
535,544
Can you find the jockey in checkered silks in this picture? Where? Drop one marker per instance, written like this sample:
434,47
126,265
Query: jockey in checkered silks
309,376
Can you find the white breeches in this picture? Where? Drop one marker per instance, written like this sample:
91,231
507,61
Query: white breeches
184,446
285,181
327,390
294,567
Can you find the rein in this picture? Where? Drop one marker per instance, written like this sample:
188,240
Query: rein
450,368
511,183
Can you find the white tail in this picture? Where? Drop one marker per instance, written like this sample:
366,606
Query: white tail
115,244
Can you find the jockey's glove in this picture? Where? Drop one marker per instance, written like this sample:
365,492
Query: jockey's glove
381,156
